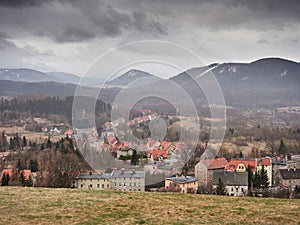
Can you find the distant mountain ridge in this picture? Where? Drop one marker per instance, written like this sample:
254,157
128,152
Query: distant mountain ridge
262,81
29,75
129,76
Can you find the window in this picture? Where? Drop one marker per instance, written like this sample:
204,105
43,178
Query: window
232,189
139,189
237,189
98,185
91,185
134,184
102,185
115,184
107,185
242,189
81,185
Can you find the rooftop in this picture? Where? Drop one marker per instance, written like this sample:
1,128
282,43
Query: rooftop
230,178
182,179
287,174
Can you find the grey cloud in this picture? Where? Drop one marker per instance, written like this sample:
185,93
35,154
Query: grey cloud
143,23
74,34
262,41
20,3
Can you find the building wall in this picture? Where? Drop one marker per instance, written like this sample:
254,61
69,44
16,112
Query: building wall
233,190
128,184
184,187
99,184
291,183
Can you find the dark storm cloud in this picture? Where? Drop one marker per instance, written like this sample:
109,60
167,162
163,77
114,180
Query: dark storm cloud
20,3
74,34
60,26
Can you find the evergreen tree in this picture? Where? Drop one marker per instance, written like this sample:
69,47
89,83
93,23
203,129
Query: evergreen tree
49,143
29,182
264,180
250,176
241,155
24,142
33,165
281,149
19,165
5,179
22,178
220,188
134,158
256,180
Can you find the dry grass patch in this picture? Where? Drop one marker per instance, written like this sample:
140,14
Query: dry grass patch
73,206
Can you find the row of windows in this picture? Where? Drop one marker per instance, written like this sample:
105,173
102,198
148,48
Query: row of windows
237,189
131,190
136,178
97,180
98,186
124,184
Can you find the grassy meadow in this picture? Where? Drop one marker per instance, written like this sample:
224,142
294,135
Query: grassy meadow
72,206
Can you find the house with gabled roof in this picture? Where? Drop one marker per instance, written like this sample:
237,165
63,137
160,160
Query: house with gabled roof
204,170
235,182
128,180
290,177
183,184
256,164
168,146
93,181
157,155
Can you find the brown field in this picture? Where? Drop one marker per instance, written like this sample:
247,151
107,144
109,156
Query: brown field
72,206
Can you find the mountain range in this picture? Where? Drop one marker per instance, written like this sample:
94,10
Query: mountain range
265,80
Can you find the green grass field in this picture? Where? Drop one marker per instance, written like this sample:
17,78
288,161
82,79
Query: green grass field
72,206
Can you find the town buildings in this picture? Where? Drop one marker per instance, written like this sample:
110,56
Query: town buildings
121,180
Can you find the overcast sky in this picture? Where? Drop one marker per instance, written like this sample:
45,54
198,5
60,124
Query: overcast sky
69,35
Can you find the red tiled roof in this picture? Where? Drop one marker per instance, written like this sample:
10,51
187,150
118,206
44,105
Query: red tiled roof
111,139
264,161
165,144
233,164
218,163
156,153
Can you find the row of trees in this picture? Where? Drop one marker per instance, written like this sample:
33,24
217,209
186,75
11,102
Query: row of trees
17,179
259,179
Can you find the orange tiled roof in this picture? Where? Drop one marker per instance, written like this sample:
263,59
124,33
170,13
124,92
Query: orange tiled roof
156,153
166,144
218,163
233,164
264,161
